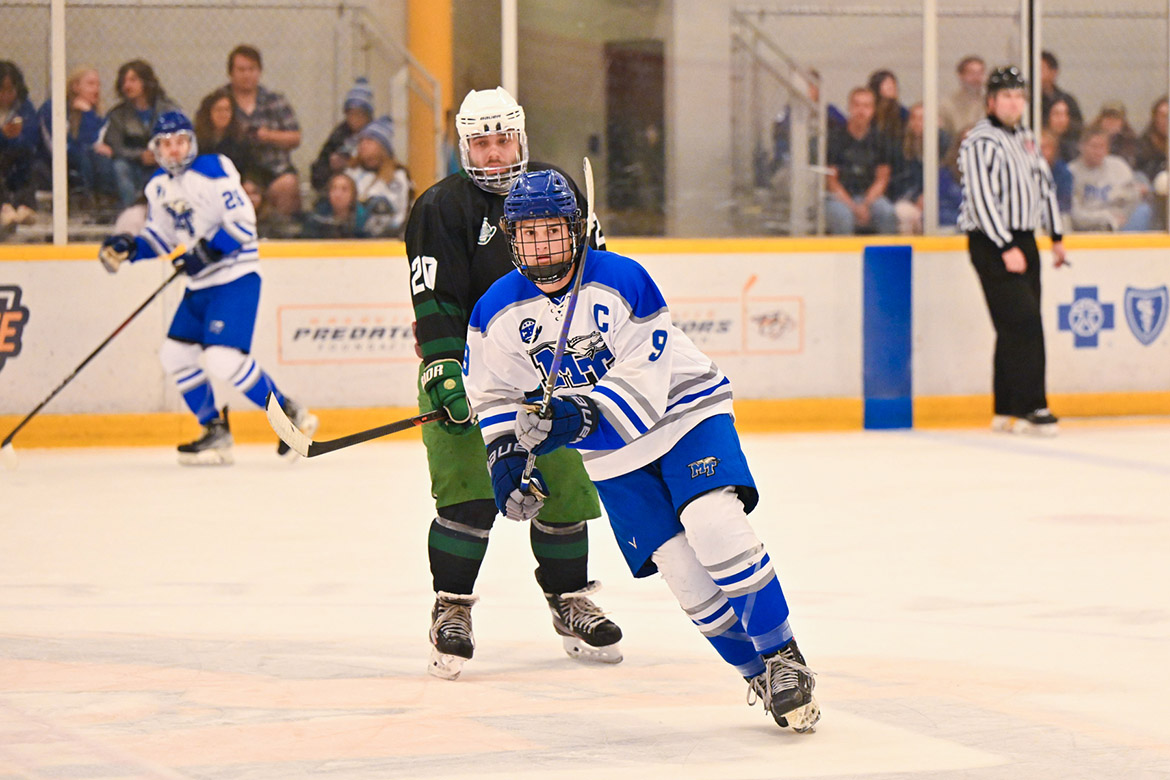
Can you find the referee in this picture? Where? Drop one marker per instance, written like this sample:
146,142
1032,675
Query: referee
1006,187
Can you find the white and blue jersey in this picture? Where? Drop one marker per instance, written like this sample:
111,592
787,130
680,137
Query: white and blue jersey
650,382
205,201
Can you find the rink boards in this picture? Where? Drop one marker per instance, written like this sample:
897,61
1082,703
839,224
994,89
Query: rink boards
784,319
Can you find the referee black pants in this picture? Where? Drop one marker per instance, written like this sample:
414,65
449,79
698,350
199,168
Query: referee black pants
1014,303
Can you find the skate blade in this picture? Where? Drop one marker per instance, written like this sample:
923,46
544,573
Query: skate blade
309,428
1025,428
207,458
581,650
445,666
804,718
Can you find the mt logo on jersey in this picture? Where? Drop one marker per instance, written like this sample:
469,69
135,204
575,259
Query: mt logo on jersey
13,318
486,231
183,215
585,362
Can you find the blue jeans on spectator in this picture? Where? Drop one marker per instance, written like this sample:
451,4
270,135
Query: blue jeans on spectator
1142,218
839,219
95,172
131,178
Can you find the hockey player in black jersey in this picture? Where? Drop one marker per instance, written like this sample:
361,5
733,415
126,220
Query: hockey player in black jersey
456,251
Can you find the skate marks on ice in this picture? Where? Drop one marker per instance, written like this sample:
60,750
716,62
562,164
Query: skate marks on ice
145,708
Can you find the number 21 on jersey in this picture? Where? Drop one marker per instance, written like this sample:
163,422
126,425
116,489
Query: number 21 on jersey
422,273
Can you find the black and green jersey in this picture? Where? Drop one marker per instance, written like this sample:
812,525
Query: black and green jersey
457,249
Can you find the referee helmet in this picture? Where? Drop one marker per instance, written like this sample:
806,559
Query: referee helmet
1005,78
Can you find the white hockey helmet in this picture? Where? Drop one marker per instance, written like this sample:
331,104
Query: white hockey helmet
490,112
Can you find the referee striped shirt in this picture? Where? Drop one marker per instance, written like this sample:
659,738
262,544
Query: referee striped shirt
1007,185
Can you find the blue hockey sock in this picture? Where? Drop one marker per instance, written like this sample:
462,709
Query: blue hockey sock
755,595
717,621
255,384
198,395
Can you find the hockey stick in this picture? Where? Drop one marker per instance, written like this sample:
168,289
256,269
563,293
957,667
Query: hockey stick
304,446
6,445
550,381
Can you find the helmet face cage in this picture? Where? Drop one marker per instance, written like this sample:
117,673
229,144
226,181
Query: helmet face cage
497,180
168,125
565,245
543,195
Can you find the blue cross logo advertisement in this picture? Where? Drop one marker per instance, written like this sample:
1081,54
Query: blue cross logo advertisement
1086,317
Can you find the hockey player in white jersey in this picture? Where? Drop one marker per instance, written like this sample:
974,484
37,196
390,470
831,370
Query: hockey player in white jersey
652,416
197,201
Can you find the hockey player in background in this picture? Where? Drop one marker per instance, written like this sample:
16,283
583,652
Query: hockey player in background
456,252
197,201
652,416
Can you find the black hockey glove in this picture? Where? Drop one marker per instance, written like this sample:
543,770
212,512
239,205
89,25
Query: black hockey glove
197,258
117,249
506,461
571,418
442,381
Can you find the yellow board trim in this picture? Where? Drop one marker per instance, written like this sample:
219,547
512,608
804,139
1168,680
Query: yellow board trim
752,416
382,249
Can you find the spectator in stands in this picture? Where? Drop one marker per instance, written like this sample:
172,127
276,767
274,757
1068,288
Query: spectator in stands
341,144
1058,121
965,106
91,173
906,190
384,188
782,129
338,213
129,125
860,173
271,126
219,130
1151,156
1061,176
20,146
950,182
1050,93
889,116
1123,141
1105,193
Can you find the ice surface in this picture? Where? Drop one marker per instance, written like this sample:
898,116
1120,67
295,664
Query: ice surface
976,606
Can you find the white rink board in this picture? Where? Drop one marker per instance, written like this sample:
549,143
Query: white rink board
953,338
335,331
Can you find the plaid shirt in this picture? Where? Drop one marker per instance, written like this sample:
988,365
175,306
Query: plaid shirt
273,111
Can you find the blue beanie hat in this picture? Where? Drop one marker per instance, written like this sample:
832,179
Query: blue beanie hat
360,96
382,131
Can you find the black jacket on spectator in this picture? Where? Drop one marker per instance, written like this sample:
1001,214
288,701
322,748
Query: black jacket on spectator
857,160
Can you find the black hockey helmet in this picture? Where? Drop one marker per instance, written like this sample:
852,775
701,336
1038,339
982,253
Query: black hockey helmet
1005,78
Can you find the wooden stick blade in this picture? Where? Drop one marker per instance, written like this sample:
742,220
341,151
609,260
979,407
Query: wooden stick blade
288,433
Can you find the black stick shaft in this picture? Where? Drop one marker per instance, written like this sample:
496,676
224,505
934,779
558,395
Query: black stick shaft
322,447
92,355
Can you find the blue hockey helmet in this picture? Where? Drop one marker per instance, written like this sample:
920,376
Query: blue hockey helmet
537,195
171,123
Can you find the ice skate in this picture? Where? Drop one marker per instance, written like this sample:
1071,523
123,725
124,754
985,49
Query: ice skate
1041,422
213,448
785,687
452,643
1002,423
586,632
301,417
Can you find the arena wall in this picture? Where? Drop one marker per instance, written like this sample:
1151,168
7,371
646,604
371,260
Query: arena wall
782,317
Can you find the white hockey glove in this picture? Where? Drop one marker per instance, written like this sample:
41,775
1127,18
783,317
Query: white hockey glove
506,461
571,418
116,250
